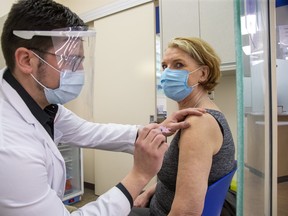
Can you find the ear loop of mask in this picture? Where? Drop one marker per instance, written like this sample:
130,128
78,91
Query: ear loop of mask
46,62
48,65
39,82
193,86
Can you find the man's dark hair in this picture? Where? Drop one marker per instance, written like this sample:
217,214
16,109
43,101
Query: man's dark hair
34,15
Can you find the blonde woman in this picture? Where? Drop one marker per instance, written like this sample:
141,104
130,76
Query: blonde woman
200,154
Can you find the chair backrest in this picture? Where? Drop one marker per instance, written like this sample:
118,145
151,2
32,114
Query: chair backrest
216,194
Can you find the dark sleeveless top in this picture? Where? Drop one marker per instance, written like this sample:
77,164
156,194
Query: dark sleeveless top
223,162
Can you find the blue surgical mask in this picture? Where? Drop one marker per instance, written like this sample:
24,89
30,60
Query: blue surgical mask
175,83
71,84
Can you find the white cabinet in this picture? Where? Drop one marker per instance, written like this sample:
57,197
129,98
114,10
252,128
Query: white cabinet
178,18
217,28
210,20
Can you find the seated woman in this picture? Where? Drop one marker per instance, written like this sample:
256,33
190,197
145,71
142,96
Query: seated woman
200,154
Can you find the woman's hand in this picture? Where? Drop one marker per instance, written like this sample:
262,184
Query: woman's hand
142,201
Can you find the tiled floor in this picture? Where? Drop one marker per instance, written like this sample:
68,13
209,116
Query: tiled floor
87,197
282,199
254,196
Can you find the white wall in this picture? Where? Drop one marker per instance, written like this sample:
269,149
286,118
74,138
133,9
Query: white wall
2,20
4,9
86,5
5,6
124,82
226,98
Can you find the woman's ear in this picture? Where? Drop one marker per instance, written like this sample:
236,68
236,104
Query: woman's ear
23,60
204,73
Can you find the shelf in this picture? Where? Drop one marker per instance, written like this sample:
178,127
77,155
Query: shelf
279,123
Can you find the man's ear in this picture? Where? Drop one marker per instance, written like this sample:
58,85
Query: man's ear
204,73
24,60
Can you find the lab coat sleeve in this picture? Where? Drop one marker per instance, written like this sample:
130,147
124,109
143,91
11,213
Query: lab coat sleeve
79,132
24,188
112,203
26,192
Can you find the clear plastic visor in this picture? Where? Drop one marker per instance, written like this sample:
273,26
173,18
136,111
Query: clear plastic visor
73,48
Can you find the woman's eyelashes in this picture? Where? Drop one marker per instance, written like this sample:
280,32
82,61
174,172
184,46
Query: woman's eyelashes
164,66
177,65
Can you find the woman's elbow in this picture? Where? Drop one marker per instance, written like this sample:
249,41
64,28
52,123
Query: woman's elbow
187,210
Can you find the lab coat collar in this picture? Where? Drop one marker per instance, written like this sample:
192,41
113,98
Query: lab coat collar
16,101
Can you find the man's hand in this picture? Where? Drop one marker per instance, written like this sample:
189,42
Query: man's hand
176,121
150,148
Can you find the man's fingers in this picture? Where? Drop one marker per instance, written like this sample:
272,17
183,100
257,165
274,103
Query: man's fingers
163,147
144,131
159,140
151,135
149,150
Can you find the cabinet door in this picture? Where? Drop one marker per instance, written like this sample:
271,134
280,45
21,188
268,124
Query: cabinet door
217,28
179,18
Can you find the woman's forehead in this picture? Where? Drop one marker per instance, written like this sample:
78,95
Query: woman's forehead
173,53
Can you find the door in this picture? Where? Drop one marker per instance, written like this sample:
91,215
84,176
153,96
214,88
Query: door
124,82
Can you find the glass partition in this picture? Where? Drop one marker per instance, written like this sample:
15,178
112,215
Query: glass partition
254,117
282,105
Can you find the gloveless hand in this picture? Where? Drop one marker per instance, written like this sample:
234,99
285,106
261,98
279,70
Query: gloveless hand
150,147
177,121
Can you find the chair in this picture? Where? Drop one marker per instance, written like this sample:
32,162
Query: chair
216,194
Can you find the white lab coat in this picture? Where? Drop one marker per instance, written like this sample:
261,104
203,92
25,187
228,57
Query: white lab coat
32,170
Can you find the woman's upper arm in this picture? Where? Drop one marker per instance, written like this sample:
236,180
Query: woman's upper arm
197,145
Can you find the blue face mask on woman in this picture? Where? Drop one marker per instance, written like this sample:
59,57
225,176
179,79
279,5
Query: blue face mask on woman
175,83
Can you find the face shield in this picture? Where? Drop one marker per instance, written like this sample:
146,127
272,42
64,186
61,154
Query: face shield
74,49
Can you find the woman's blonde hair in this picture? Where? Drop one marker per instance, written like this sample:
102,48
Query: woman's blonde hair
203,54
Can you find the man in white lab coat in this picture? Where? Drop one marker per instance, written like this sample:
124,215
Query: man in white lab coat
44,45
